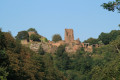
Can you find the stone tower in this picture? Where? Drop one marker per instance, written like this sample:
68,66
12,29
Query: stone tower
69,36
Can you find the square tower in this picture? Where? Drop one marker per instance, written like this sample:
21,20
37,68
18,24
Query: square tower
69,36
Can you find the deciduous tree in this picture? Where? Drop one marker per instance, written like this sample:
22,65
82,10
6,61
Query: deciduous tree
56,38
22,35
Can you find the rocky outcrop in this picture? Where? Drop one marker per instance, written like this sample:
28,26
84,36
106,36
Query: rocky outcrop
46,47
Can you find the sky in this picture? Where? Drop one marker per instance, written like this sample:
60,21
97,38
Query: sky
86,17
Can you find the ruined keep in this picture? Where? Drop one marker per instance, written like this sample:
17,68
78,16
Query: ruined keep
71,45
69,36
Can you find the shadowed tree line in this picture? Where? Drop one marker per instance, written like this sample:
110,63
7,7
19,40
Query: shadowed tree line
20,63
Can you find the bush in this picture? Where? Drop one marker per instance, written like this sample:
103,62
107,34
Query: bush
41,51
2,40
91,41
34,37
32,29
60,50
106,38
22,35
56,38
44,39
3,74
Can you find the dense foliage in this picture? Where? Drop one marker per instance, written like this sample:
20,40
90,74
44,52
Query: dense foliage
91,41
41,51
102,64
32,29
22,35
104,38
34,37
56,38
112,5
20,63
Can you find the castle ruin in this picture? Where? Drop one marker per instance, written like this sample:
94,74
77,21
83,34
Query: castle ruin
69,36
71,45
31,32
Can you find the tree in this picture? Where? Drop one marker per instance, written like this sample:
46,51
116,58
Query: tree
56,38
44,39
62,58
60,50
4,60
116,44
51,72
17,62
41,51
91,41
32,29
2,40
119,25
10,41
34,37
3,74
106,38
112,5
22,35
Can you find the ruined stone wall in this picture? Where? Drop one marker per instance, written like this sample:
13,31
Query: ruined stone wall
24,42
57,44
96,45
31,32
46,47
71,45
69,36
88,48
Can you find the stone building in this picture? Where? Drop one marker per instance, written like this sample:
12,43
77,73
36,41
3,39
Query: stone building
71,45
24,42
31,32
69,36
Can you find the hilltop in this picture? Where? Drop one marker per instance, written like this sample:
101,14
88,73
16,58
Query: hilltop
19,62
71,45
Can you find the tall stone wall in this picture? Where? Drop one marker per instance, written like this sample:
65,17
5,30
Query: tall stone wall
31,32
71,45
24,41
46,47
69,36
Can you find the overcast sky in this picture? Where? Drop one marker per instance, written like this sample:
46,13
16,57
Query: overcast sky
86,17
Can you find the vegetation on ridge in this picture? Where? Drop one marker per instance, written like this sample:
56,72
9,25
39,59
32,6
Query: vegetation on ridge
56,38
20,63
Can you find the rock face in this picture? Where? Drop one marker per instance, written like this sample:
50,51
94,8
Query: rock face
46,47
69,36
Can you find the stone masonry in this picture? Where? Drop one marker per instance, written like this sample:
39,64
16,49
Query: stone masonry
71,45
69,36
31,32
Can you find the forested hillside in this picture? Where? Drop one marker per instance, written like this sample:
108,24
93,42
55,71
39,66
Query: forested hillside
20,63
